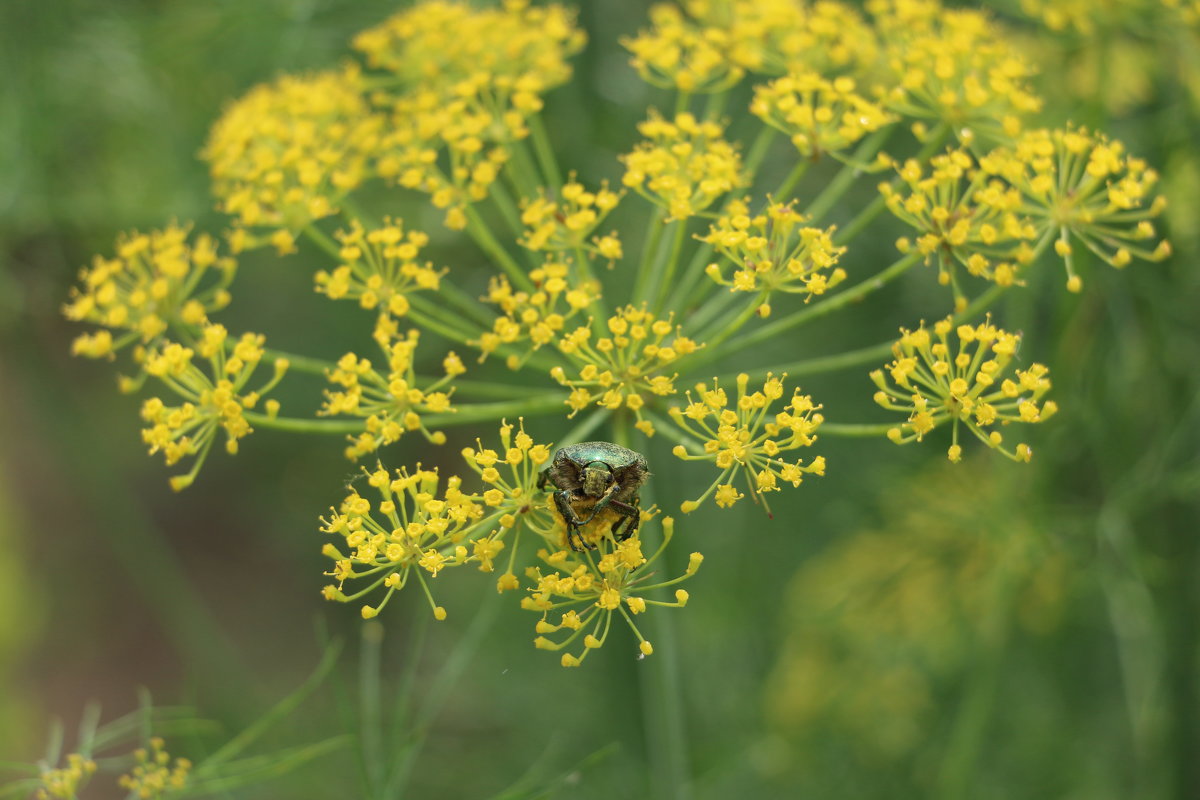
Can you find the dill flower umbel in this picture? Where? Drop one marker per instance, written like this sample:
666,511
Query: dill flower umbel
566,222
591,585
935,384
773,252
684,167
391,403
154,776
287,152
748,440
379,267
1074,184
819,116
214,399
409,532
65,782
156,280
621,369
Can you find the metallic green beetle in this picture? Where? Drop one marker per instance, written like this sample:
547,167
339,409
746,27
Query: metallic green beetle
602,472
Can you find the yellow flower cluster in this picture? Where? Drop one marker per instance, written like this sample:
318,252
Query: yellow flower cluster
156,280
819,116
391,403
621,369
465,82
153,775
952,67
883,620
287,152
713,45
212,400
684,167
965,385
514,498
65,782
379,267
535,317
410,532
566,222
585,588
1076,183
964,216
749,439
773,252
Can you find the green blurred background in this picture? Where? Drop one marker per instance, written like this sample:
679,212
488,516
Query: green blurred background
902,628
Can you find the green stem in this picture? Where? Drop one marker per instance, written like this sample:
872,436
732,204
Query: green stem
759,148
645,268
846,176
664,283
316,366
544,151
338,427
815,311
731,323
507,208
824,364
585,427
322,240
525,168
860,221
789,183
481,412
854,429
482,234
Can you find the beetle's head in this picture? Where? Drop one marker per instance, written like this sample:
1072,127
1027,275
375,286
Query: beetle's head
597,477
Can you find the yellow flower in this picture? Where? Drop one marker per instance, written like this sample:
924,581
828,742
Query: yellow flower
1073,183
212,400
465,82
953,67
743,437
624,369
390,402
153,775
964,216
287,152
966,386
819,116
536,318
684,166
379,268
773,252
584,589
65,782
566,222
410,531
156,280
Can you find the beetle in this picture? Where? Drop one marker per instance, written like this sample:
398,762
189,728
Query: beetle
602,472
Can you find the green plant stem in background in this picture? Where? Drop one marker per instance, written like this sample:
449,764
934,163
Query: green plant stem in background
668,271
851,429
649,257
545,151
846,176
482,234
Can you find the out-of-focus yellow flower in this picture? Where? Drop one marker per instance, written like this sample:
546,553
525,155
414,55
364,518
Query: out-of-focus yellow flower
952,67
749,440
153,776
684,167
621,369
212,400
287,152
819,116
1082,185
65,782
390,403
465,82
773,252
965,385
379,268
536,318
585,588
883,625
156,280
409,532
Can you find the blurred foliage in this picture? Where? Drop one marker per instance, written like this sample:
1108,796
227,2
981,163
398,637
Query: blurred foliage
980,632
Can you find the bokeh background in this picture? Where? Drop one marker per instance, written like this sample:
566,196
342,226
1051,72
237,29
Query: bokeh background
902,628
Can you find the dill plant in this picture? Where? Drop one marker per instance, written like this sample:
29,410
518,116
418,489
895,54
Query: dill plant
619,331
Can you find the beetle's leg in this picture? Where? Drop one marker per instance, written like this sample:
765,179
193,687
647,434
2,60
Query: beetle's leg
543,478
562,501
602,503
632,518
